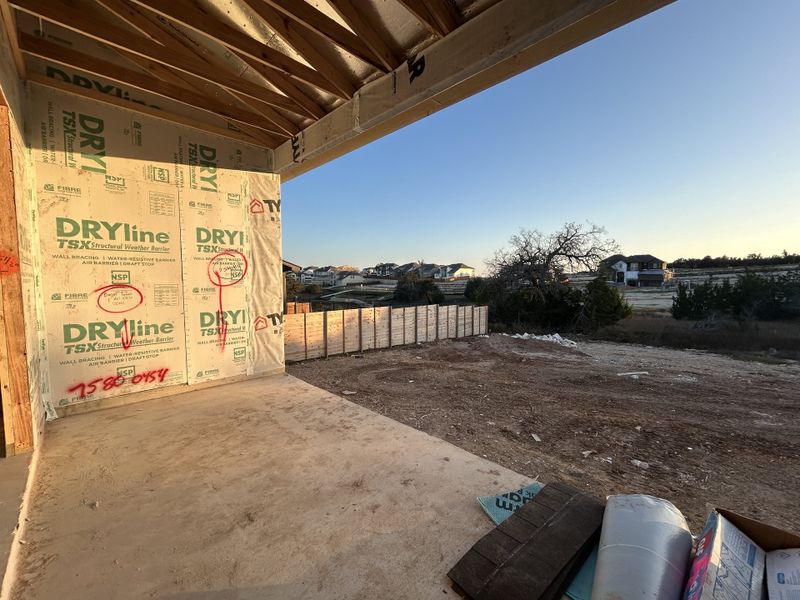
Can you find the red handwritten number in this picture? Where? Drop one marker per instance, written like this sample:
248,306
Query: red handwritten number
115,381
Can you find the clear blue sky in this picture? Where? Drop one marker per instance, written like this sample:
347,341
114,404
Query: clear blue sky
680,133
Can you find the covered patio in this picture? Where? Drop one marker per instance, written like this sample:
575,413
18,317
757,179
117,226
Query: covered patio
267,488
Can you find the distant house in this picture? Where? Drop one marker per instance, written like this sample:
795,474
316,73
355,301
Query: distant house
321,276
458,271
385,270
291,270
345,278
639,270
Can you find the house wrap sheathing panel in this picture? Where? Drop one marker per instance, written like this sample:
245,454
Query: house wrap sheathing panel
160,251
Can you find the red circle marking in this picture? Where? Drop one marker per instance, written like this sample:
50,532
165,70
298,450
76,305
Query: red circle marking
229,267
115,296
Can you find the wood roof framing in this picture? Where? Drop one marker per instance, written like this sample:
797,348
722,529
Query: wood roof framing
308,79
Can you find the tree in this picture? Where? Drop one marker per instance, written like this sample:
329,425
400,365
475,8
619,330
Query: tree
313,288
603,304
293,287
538,261
411,288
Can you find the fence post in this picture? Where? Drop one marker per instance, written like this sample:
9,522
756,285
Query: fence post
390,326
305,336
325,333
404,326
360,333
437,322
416,324
374,329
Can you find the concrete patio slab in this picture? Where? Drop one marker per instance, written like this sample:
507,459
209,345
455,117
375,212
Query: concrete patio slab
269,489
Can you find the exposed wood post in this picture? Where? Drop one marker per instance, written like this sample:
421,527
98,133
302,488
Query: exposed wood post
437,322
404,326
374,329
416,324
305,336
325,332
360,332
344,333
390,327
13,352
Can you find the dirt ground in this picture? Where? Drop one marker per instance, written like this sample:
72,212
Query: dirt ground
715,431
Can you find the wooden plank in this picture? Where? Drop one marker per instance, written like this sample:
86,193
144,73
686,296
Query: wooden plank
409,325
294,337
315,334
382,326
5,383
535,551
67,56
105,31
419,9
196,18
16,388
10,27
397,326
352,330
367,328
323,25
149,110
334,332
359,22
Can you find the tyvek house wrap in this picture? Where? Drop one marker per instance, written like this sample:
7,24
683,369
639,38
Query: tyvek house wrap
149,273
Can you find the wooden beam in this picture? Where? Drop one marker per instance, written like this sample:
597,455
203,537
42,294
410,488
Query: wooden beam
357,20
419,9
13,354
103,30
287,86
265,140
164,31
298,38
509,37
323,25
72,58
196,18
445,14
149,25
10,27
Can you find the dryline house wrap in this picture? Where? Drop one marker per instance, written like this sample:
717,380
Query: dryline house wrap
150,252
160,252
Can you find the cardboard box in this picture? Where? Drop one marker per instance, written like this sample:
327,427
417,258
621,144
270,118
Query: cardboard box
730,557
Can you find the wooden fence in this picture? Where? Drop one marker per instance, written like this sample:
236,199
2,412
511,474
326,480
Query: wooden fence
297,307
316,335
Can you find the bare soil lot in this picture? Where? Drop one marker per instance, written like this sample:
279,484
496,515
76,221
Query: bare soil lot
714,430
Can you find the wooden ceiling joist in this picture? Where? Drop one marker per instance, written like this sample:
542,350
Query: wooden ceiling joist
66,56
438,16
149,24
197,19
298,39
10,27
323,25
358,22
107,32
287,86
